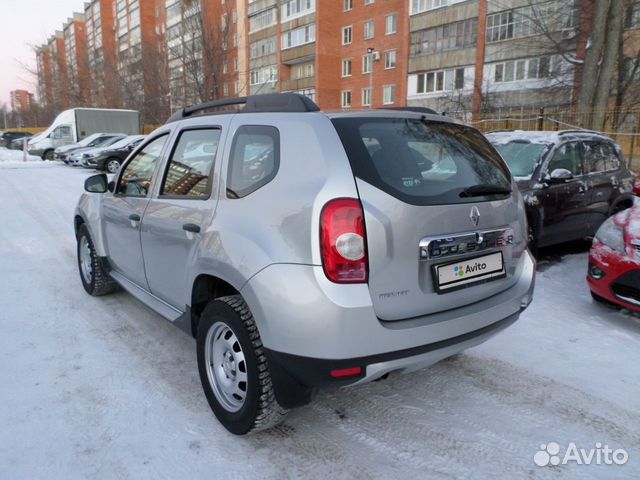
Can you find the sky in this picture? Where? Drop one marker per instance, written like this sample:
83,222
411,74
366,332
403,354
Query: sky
26,23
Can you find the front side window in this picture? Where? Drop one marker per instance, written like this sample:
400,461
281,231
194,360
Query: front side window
254,159
137,174
567,156
421,162
188,172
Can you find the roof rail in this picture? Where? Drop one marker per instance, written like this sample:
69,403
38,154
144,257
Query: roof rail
270,102
428,111
579,130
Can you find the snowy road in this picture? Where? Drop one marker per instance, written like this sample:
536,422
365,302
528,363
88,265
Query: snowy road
105,388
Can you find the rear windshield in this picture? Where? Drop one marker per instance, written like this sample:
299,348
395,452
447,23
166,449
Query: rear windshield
522,157
422,162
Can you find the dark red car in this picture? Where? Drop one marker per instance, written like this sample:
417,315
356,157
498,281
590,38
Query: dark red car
614,261
636,186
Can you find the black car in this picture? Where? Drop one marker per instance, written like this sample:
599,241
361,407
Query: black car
110,158
571,181
6,139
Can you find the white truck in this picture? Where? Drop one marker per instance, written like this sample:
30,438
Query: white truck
73,125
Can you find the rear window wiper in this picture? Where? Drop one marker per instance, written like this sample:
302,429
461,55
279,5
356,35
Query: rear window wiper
485,189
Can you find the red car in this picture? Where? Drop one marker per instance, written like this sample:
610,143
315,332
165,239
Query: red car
614,261
636,186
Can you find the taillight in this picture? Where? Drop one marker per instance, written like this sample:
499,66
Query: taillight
343,241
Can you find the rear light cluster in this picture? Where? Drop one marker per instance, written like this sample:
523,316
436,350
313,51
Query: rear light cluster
343,241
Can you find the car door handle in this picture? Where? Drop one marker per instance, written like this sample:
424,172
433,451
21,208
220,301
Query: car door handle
191,227
134,217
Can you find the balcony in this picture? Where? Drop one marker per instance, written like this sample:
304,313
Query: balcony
301,54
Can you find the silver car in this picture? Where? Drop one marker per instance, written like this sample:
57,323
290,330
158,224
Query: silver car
305,250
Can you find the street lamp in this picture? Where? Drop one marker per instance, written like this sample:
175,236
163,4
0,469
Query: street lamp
373,56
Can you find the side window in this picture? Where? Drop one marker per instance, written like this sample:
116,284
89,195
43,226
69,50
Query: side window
611,156
190,166
567,156
254,159
136,176
594,159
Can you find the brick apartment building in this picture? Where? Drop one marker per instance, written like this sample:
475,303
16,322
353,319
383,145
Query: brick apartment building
328,53
104,88
450,55
21,101
77,60
206,50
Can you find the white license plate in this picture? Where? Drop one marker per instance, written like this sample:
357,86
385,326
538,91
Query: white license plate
456,275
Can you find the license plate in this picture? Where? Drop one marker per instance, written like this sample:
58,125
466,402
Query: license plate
455,275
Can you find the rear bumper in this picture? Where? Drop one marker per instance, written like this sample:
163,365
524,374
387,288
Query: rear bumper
300,313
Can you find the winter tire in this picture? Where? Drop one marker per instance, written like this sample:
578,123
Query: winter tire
95,280
233,368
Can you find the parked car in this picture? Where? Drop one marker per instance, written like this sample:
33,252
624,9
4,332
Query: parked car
636,185
7,137
18,142
571,181
74,158
323,249
92,141
614,261
110,158
71,126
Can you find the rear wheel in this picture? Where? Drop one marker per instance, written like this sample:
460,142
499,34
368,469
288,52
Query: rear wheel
95,279
233,368
112,165
48,155
603,301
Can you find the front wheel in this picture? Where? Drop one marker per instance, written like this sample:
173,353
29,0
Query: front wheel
112,165
95,279
233,368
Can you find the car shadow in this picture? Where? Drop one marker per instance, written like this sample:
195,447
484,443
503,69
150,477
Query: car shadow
547,257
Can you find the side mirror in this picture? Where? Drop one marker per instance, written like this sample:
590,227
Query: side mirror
96,183
111,186
560,175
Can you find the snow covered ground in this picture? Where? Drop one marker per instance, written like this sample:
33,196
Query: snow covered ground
105,388
15,159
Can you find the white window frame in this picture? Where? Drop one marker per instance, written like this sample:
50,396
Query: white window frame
348,28
394,24
347,72
369,29
366,97
367,63
346,95
347,5
385,90
387,56
299,36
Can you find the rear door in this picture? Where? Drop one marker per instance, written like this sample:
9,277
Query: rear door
122,212
566,216
412,176
177,216
601,165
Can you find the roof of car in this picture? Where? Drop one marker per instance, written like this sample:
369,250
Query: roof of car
541,136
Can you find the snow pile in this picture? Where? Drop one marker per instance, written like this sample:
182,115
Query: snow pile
15,159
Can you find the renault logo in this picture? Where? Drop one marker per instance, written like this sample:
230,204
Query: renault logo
475,216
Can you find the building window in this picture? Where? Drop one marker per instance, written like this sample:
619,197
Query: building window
525,69
302,70
440,81
348,5
632,18
367,63
346,98
225,68
366,97
264,75
262,47
443,38
419,6
391,24
369,2
347,35
297,8
225,89
390,59
262,20
530,20
299,36
346,68
369,29
389,94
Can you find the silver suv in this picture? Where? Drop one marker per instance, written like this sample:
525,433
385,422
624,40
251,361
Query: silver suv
305,249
